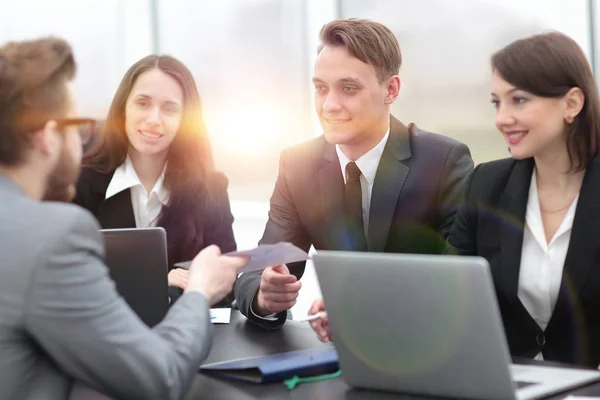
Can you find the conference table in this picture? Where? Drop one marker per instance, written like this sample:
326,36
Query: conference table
241,338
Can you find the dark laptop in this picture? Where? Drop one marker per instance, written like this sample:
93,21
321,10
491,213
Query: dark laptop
137,261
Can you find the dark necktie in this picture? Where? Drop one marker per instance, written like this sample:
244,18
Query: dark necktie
353,208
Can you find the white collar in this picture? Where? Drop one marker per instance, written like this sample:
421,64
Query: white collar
534,216
368,162
125,178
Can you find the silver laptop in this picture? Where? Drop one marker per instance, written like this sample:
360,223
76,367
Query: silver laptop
137,262
427,325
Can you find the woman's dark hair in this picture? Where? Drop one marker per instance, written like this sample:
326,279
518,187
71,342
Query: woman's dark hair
549,65
190,175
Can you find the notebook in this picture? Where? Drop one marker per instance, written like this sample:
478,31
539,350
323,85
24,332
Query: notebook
276,367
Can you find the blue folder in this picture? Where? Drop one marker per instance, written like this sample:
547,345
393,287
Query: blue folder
276,367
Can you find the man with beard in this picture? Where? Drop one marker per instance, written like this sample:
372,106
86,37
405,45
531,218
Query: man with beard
61,319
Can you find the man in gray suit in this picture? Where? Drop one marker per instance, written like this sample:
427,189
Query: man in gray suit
370,183
61,319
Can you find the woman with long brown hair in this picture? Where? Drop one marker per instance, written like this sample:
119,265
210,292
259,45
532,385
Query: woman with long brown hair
153,165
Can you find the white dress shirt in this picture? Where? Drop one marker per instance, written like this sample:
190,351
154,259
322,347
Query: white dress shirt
542,262
368,164
146,207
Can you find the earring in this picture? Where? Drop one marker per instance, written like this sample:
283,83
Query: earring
569,119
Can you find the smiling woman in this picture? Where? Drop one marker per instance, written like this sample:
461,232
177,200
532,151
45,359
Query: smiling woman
153,165
153,114
534,216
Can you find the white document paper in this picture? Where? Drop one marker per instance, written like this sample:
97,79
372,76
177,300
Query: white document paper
220,315
268,255
265,255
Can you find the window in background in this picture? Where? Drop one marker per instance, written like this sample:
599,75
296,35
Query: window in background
446,47
249,61
106,36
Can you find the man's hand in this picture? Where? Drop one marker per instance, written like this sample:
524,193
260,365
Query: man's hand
320,325
178,277
213,274
278,291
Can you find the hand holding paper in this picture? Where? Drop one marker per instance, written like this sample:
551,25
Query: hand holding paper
265,255
212,274
277,292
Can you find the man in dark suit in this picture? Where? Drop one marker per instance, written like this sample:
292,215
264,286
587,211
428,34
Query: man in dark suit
370,183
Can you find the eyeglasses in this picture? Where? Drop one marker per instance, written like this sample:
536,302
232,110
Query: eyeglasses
85,126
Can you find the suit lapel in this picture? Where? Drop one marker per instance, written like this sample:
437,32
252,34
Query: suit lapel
389,180
331,188
513,206
115,212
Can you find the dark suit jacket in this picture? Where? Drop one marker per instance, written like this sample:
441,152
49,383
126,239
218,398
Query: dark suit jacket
491,225
419,182
117,212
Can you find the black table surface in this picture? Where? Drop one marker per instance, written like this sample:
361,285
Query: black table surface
241,338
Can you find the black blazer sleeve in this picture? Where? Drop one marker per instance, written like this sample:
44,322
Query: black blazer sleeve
463,235
217,230
284,225
456,174
219,227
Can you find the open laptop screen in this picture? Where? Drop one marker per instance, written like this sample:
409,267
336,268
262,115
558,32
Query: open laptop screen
137,262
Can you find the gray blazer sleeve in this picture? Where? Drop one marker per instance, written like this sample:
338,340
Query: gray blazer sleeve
74,313
457,170
284,225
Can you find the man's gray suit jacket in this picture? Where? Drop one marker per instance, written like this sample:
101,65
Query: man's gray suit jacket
61,319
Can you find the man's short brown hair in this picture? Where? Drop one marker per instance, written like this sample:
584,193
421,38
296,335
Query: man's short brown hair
371,42
33,91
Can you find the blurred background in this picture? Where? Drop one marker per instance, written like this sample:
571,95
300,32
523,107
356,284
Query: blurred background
252,60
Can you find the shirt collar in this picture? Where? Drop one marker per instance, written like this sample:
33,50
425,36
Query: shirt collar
125,178
368,162
533,217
